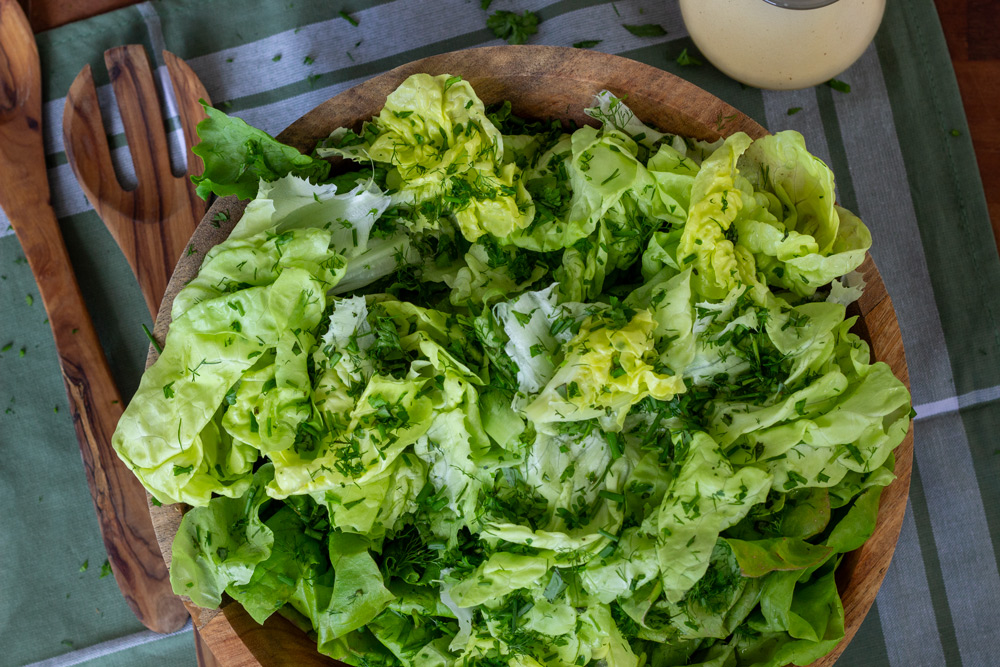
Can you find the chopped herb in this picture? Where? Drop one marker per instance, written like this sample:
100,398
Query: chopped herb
512,27
85,565
839,86
30,300
794,110
105,569
347,17
276,58
587,43
687,60
152,341
647,30
308,60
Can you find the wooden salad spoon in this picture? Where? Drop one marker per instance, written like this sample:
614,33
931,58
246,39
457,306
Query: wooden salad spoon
94,400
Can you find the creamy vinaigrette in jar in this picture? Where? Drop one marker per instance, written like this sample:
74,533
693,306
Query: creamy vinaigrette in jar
767,46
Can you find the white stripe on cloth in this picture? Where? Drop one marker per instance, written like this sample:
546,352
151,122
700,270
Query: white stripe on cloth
958,518
955,403
107,648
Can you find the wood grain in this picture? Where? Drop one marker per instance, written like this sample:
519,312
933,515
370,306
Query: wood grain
152,223
165,208
541,82
95,404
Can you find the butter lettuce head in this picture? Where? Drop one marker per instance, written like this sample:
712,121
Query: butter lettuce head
512,393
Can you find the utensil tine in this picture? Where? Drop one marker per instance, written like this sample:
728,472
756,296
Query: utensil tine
87,144
188,90
139,105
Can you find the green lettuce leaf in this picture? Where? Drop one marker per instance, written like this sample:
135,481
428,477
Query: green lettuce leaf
800,238
237,157
220,545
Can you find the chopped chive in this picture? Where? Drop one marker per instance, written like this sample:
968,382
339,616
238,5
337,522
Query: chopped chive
611,495
149,335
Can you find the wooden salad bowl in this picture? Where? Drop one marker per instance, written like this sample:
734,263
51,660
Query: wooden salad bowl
540,82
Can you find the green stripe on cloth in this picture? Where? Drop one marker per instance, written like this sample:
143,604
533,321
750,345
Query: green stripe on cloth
982,422
950,206
868,646
932,566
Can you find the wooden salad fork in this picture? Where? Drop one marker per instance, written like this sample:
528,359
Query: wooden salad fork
95,404
152,223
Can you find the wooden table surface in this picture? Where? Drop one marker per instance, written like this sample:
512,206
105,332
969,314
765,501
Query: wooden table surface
970,26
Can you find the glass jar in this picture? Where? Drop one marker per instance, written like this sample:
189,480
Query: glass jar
782,44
